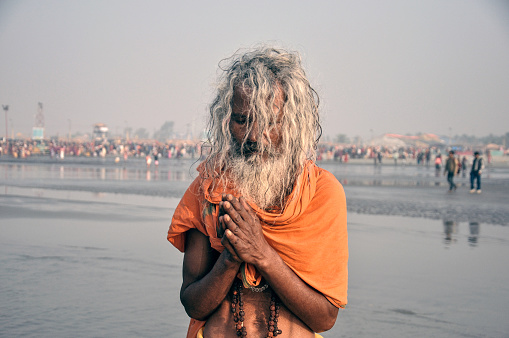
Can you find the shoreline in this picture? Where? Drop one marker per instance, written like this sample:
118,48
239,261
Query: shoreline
497,161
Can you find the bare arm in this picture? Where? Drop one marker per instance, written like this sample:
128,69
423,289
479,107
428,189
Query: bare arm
301,299
207,276
245,235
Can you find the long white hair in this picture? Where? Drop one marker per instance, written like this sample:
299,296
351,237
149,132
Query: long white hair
265,72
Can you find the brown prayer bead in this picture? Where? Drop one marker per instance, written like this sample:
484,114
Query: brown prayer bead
238,317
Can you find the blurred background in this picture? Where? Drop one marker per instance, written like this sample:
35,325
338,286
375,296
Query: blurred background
146,67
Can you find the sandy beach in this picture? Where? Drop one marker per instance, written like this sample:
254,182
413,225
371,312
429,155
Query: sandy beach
84,251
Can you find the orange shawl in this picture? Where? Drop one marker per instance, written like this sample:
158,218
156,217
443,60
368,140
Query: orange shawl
310,236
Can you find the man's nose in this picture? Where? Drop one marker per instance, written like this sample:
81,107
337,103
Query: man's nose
253,132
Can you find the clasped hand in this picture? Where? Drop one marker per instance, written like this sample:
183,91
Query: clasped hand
243,236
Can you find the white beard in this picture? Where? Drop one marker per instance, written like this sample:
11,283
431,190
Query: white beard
261,180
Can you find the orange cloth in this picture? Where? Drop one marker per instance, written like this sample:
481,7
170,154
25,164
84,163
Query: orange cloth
310,236
200,334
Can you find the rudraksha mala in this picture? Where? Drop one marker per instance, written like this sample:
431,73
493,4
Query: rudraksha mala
238,316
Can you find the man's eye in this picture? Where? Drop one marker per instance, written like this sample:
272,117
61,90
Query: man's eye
239,119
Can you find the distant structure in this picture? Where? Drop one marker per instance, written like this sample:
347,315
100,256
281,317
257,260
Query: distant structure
6,109
399,141
38,130
100,131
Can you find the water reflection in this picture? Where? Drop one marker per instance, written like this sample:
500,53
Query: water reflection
450,229
474,233
353,175
176,171
392,182
451,232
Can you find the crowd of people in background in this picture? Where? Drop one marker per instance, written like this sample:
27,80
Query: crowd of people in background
100,148
426,156
177,149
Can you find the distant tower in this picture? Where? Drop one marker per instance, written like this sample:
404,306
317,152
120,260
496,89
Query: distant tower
6,109
38,130
39,118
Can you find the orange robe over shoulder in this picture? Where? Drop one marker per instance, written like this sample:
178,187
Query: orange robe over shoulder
310,235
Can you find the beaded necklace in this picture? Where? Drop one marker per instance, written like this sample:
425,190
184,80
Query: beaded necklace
238,317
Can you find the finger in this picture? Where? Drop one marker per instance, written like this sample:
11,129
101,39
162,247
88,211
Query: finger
232,226
253,217
233,240
234,202
246,206
239,207
228,246
233,213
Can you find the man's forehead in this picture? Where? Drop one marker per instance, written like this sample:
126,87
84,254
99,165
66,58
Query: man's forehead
246,91
242,90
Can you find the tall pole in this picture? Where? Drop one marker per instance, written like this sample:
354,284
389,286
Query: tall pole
126,132
6,108
69,137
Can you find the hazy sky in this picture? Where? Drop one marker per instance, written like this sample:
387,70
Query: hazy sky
379,66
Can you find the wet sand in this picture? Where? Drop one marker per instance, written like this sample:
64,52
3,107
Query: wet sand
84,253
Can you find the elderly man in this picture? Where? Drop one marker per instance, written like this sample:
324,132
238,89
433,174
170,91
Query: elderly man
262,228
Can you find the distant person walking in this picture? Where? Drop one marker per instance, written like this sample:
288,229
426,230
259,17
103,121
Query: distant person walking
438,162
475,173
451,169
464,166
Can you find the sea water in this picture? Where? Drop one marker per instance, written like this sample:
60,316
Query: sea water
83,251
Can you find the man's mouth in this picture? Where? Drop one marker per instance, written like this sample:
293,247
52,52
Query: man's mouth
250,148
252,151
